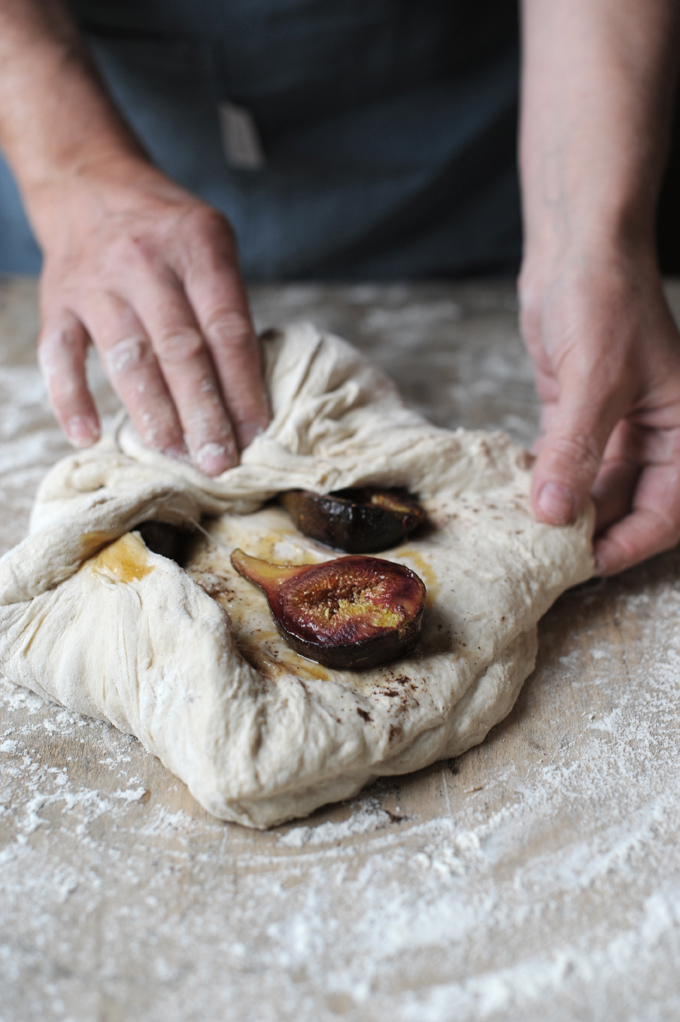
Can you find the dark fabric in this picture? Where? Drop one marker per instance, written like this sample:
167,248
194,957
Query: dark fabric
388,126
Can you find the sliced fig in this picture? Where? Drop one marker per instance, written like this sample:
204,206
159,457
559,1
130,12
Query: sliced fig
349,613
362,520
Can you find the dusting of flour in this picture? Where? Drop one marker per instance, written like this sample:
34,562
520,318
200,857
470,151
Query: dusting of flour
536,878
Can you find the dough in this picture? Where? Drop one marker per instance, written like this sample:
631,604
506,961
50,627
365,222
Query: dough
190,662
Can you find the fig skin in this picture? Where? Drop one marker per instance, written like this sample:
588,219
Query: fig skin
359,521
351,613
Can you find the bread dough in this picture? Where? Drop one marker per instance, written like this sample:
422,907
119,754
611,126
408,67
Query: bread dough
190,662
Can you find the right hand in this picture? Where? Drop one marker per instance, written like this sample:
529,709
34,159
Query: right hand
606,355
148,274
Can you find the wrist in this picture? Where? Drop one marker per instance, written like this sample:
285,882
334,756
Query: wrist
578,292
104,178
570,205
622,249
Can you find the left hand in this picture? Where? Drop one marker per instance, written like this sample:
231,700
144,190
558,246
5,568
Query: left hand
606,355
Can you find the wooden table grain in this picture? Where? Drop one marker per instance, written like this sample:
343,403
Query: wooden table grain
536,877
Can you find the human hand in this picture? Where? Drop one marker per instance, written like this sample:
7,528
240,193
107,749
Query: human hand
149,274
606,355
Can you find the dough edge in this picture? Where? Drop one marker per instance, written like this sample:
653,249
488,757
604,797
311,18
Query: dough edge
90,499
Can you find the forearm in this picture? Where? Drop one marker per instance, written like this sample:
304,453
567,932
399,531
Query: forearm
56,119
597,89
597,94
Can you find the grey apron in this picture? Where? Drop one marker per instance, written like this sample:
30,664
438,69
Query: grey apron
387,128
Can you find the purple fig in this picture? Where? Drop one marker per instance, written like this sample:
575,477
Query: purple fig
362,520
349,613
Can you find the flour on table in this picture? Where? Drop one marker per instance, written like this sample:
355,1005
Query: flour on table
92,619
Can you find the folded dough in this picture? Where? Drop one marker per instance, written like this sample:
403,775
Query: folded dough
189,660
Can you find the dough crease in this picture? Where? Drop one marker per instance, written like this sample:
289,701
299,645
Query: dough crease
188,658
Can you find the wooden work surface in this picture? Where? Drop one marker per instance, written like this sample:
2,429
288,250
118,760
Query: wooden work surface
535,878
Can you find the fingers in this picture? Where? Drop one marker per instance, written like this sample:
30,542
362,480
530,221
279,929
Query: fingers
613,490
198,323
62,354
187,369
161,367
614,487
134,372
652,523
652,526
161,296
217,295
236,356
570,453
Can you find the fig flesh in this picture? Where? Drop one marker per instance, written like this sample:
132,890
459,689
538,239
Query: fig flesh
349,613
361,520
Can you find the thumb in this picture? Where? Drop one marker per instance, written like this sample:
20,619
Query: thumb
572,449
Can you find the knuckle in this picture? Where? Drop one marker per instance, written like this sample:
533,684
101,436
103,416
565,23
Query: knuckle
211,250
211,221
229,329
208,421
210,396
208,230
581,449
60,350
64,335
127,355
179,347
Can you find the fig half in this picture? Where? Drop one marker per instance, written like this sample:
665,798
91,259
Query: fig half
350,613
361,520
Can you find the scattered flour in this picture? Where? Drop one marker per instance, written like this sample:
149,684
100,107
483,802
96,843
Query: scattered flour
368,818
539,881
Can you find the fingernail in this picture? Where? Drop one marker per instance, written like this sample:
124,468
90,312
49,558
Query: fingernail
213,458
82,431
557,503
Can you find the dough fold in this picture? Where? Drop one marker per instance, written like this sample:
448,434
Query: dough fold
188,659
